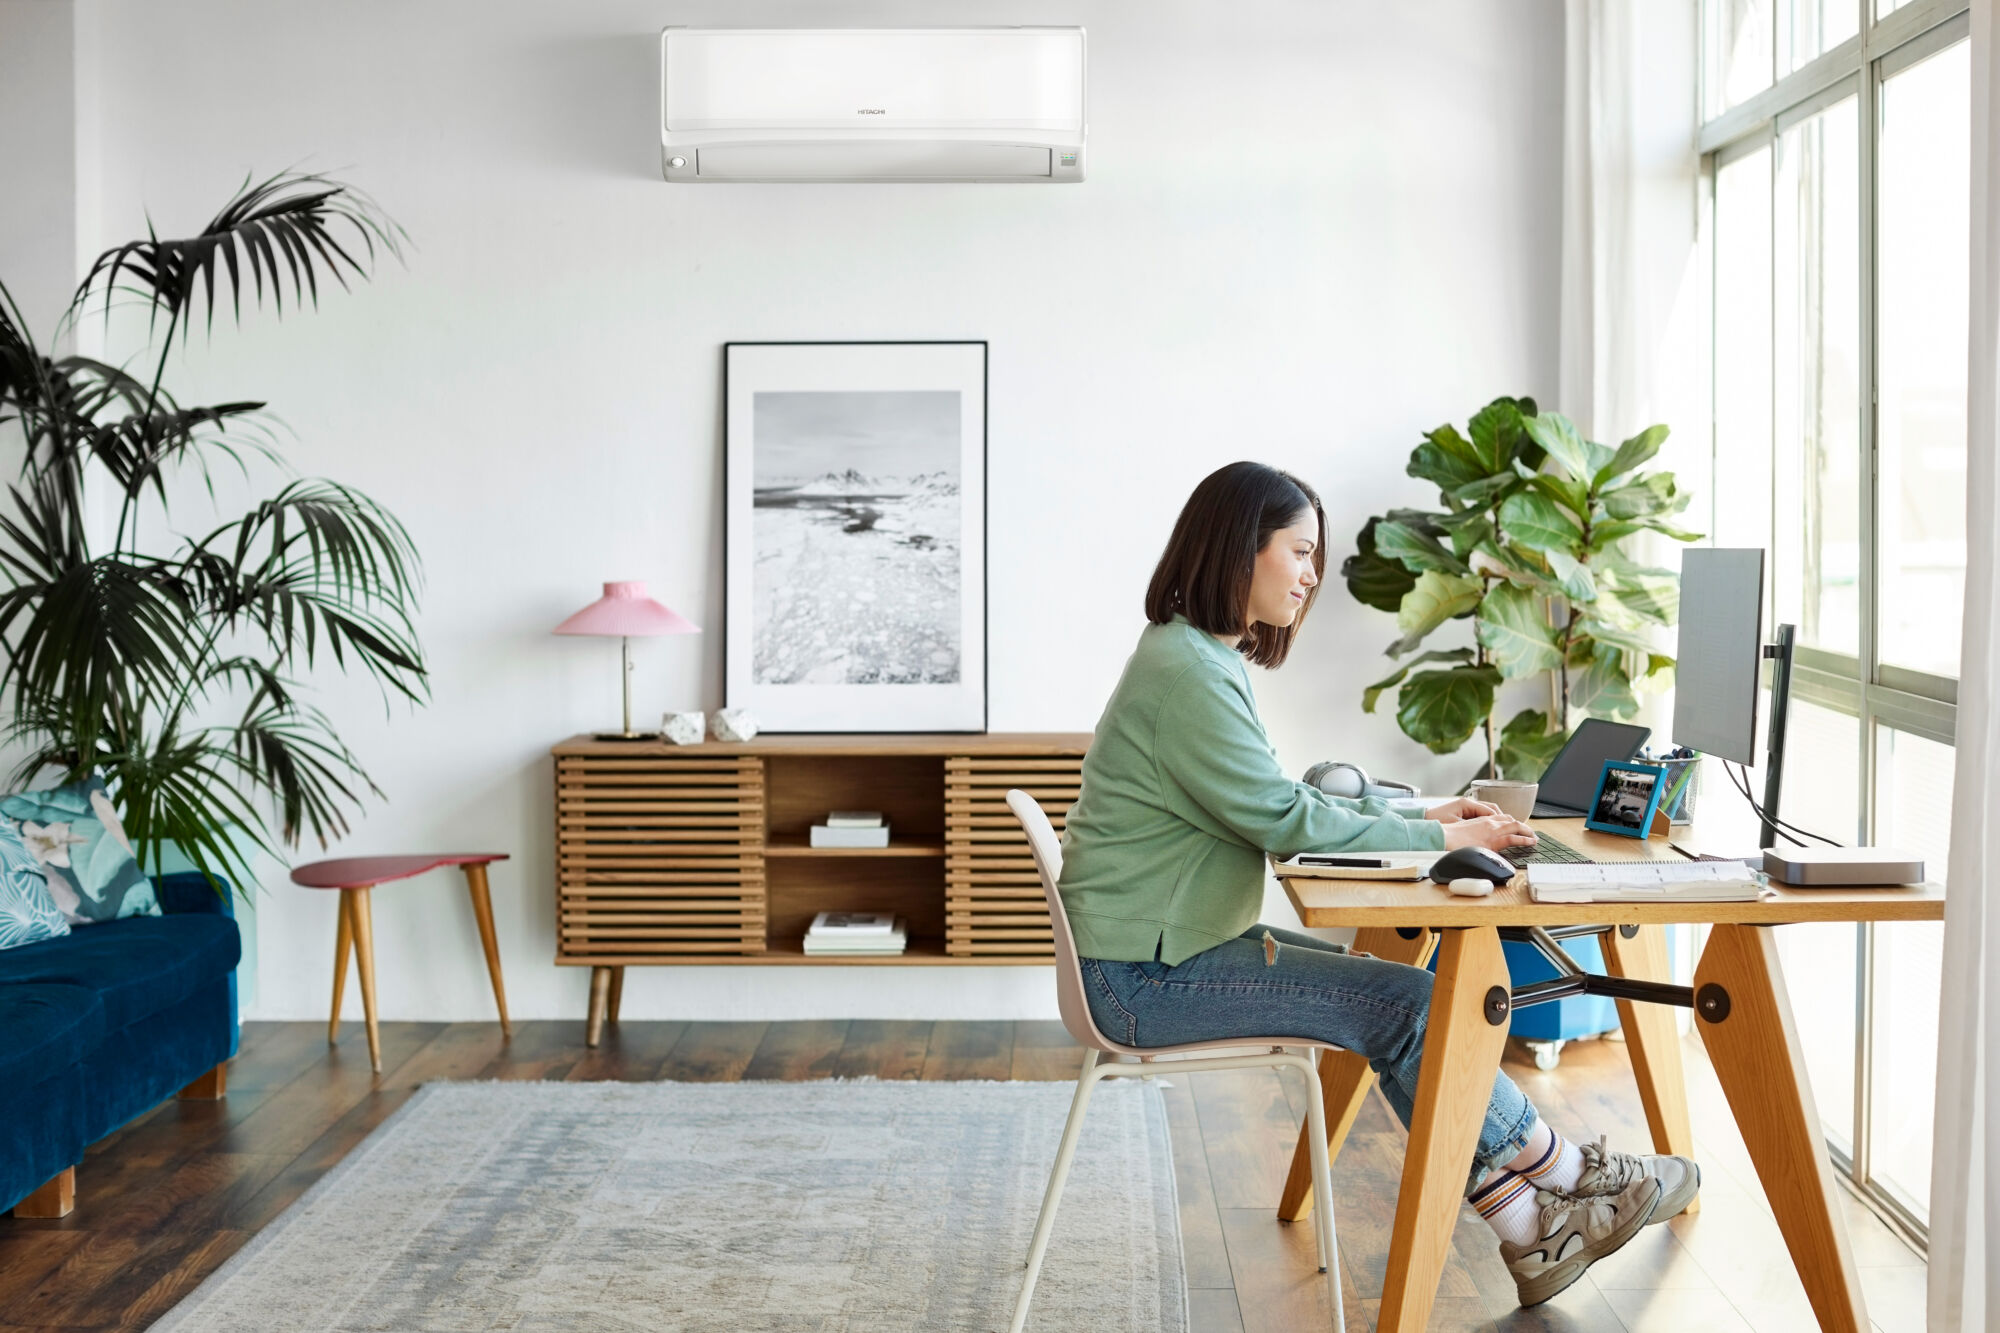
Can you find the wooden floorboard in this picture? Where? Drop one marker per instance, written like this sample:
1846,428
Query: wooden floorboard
170,1197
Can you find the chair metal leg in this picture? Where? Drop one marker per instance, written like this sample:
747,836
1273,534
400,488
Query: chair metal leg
1085,1081
1322,1176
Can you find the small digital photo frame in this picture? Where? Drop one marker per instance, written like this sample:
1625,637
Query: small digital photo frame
1627,795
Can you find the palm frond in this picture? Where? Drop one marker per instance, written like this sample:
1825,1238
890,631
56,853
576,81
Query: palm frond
319,564
288,226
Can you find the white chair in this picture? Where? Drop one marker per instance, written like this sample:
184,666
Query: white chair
1076,1017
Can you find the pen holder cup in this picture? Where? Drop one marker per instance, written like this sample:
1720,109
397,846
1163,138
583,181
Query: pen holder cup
1682,785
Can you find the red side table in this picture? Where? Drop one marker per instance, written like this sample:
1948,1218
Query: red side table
354,876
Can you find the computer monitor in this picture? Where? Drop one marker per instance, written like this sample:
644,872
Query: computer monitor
1720,647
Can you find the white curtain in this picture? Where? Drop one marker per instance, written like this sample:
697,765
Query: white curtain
1965,1188
1631,299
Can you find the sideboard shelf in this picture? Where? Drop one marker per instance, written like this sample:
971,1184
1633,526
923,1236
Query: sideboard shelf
793,845
699,855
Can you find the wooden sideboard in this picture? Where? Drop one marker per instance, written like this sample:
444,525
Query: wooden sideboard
697,854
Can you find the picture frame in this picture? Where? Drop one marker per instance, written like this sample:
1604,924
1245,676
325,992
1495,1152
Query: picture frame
854,535
1628,793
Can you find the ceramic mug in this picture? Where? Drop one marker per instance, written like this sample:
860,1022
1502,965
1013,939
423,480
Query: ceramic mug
1513,798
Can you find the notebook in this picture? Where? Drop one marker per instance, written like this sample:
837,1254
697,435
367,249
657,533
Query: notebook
1646,881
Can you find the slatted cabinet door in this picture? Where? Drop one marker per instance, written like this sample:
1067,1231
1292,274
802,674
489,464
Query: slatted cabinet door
659,855
993,898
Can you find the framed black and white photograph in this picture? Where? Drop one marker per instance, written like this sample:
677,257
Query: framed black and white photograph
855,516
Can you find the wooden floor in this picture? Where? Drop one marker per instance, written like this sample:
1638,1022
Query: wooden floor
167,1199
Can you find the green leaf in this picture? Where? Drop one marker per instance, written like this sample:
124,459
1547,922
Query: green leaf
1442,709
1536,522
1527,747
1372,578
1482,493
1416,549
1469,536
1557,436
1650,599
1512,627
1435,599
1570,495
1496,433
1371,695
1652,495
1630,455
1446,459
1602,689
1668,530
1604,535
1602,631
1577,582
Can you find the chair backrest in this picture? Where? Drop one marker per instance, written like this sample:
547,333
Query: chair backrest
1070,1001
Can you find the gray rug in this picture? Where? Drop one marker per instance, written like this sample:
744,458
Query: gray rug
834,1207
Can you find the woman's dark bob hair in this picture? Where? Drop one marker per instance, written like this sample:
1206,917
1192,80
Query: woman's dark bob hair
1205,572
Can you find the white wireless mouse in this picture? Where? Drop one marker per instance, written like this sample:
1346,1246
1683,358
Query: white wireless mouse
1472,887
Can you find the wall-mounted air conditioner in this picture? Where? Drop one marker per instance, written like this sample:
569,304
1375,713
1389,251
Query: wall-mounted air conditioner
872,104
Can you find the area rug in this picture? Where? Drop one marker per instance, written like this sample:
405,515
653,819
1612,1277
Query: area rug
834,1207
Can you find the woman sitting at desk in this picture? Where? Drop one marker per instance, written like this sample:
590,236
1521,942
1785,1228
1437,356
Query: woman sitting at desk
1163,875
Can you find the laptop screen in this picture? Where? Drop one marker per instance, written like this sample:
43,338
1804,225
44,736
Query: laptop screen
1572,779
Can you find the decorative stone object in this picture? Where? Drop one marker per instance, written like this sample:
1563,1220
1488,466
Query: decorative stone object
681,728
732,724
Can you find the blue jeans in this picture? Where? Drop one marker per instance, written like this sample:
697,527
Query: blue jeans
1269,982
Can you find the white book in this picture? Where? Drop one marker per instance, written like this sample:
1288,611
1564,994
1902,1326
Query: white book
1645,881
889,944
854,819
822,836
853,923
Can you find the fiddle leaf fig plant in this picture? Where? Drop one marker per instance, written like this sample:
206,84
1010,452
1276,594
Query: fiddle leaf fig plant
1534,545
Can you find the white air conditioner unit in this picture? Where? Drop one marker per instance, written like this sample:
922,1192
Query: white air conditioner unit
872,104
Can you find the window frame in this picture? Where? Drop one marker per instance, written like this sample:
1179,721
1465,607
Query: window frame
1858,685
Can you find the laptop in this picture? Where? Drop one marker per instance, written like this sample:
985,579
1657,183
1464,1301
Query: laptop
1571,781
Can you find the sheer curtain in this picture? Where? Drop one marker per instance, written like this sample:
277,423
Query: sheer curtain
1965,1188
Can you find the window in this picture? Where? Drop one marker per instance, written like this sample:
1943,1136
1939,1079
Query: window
1837,157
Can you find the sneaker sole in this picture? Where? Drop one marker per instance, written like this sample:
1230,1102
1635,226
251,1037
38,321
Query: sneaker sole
1673,1205
1553,1281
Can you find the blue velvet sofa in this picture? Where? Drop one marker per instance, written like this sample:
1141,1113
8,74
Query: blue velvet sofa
106,1023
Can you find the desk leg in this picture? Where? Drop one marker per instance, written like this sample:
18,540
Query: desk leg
343,945
1745,1020
1652,1039
1461,1056
1344,1078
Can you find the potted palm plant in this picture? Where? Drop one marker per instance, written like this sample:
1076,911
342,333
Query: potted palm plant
172,665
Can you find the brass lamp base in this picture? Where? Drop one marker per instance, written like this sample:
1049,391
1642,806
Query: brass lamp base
624,735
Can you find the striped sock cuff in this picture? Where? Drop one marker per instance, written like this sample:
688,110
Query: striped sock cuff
1507,1187
1546,1162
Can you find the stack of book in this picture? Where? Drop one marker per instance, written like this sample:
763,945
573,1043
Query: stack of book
852,828
857,934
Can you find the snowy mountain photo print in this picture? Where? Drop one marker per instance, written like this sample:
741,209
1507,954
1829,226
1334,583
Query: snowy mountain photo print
856,525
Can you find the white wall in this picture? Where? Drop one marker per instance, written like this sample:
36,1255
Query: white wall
1311,230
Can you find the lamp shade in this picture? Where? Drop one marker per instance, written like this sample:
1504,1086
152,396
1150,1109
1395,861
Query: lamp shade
626,612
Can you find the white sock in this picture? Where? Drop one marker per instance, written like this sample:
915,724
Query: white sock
1506,1202
1506,1199
1551,1161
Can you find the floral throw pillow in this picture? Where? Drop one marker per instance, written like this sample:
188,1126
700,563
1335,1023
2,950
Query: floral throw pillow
76,837
27,912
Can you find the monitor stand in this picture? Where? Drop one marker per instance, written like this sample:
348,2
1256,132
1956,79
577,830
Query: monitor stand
1780,653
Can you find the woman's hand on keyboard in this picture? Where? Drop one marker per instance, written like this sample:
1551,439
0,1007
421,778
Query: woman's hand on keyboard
1497,832
1463,807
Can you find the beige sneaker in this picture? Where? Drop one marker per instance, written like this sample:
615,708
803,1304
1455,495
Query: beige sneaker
1606,1173
1576,1233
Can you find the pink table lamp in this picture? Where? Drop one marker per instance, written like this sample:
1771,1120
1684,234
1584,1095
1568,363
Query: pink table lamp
627,612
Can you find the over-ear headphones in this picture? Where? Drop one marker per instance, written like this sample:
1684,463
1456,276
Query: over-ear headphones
1351,780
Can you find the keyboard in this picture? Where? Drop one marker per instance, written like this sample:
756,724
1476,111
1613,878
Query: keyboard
1547,851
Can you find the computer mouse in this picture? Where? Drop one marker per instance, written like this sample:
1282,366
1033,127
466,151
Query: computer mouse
1470,861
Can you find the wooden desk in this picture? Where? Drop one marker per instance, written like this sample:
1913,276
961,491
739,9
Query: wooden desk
1741,1011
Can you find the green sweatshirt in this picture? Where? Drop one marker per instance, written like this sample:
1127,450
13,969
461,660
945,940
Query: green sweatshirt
1182,799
